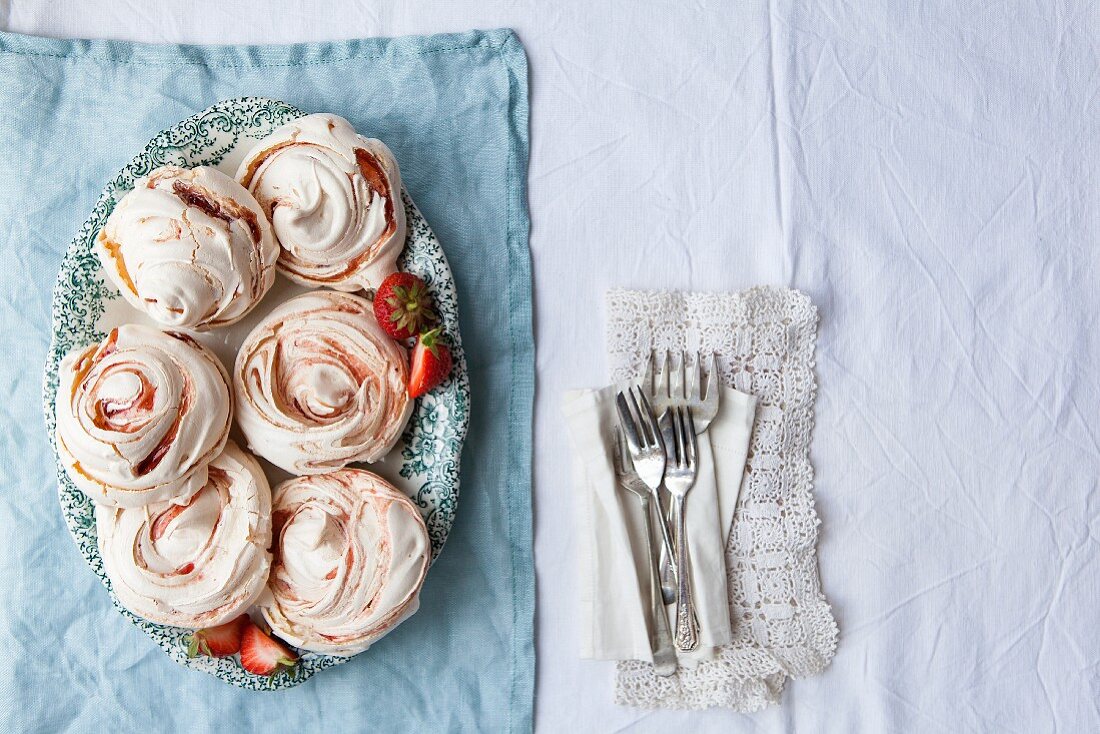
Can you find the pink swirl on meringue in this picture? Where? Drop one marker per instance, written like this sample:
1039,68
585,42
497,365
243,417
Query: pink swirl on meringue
189,247
333,197
140,415
198,563
350,556
319,384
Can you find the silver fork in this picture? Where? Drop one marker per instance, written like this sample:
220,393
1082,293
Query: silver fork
643,419
660,635
670,384
680,471
670,381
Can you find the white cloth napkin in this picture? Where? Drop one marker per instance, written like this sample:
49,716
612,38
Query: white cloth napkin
614,584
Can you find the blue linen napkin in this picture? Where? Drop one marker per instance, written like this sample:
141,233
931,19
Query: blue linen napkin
454,110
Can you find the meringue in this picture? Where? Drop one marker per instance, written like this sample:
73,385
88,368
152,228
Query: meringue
333,197
351,553
196,564
140,415
319,384
189,247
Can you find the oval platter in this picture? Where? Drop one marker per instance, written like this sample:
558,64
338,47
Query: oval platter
86,306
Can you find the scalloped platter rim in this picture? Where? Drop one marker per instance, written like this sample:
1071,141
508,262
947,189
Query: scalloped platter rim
424,464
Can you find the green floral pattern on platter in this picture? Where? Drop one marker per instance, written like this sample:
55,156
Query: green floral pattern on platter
426,461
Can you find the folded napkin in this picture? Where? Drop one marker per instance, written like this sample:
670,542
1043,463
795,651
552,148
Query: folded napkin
614,566
781,623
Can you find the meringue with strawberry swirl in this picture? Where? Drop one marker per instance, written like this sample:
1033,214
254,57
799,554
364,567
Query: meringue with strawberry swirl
319,384
189,247
196,564
334,200
140,415
350,556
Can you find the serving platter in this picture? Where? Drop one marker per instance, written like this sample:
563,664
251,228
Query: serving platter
86,306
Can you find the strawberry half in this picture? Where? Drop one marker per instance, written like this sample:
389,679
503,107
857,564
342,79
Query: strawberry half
431,362
264,655
220,641
402,306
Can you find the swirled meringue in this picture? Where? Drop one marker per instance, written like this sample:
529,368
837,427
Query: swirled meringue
189,247
196,564
334,200
319,384
351,553
140,415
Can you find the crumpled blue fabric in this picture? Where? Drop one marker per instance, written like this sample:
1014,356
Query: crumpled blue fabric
454,109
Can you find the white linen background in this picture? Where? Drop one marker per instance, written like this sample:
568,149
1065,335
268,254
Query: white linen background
927,175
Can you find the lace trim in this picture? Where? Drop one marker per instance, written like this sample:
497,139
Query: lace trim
783,626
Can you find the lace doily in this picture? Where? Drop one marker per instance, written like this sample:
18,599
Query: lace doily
783,626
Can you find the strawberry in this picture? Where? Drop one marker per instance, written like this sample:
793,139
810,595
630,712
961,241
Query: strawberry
220,641
431,361
402,306
264,655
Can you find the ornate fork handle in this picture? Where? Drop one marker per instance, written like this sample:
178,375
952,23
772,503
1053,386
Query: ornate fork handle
687,624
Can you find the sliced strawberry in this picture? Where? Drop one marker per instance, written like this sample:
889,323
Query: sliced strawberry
264,655
431,362
402,306
220,641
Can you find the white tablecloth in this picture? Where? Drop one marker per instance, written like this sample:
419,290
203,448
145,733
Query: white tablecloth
927,174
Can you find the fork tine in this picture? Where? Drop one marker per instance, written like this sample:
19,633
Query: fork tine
627,422
681,445
676,376
646,409
691,376
700,377
651,418
645,430
670,436
712,375
668,373
660,379
648,384
689,433
617,454
671,449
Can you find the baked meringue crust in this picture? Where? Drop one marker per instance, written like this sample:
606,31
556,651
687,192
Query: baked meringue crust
319,385
140,415
195,564
350,556
333,198
189,247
